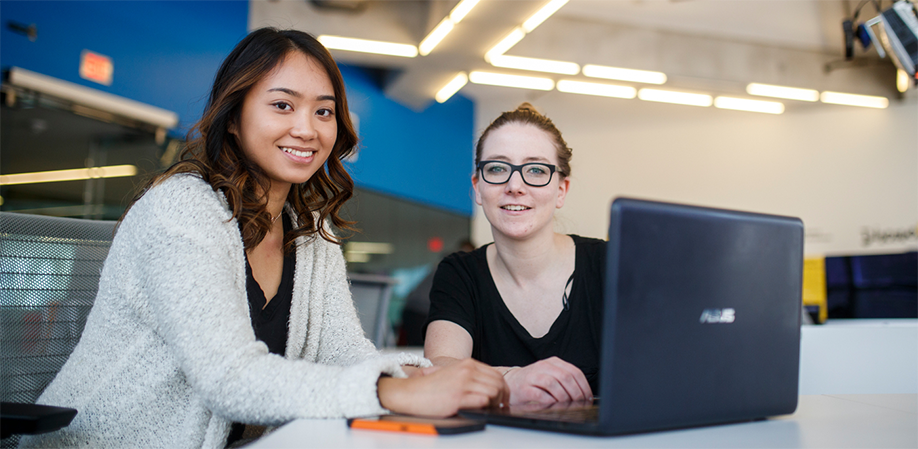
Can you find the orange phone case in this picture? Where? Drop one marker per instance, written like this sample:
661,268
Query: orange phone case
414,424
394,426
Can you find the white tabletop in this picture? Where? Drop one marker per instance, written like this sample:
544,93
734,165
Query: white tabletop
837,421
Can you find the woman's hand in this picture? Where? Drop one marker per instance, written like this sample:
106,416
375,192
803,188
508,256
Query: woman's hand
442,391
547,381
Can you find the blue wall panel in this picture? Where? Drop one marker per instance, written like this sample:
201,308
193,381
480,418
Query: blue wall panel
424,156
165,53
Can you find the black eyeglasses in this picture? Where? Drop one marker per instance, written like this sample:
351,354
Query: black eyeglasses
534,174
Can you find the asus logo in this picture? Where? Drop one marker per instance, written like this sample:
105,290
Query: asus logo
718,316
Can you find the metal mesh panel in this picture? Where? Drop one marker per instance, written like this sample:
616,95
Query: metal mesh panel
49,276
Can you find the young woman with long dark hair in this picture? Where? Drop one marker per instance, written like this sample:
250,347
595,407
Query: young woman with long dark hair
224,300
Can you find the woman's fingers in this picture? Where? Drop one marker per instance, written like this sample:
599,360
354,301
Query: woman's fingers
487,381
571,379
445,390
549,380
442,391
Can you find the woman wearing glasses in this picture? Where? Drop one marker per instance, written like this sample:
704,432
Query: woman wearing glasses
530,303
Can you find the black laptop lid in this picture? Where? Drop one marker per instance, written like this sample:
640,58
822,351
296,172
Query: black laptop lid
703,316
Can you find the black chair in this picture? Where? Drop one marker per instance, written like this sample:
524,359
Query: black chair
873,286
371,295
49,276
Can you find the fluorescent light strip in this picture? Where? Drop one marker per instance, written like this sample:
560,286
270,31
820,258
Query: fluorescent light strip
507,43
669,96
369,247
616,73
602,90
535,64
452,87
77,174
521,82
352,257
542,14
519,32
902,81
368,46
866,101
459,12
433,39
742,104
789,93
92,98
445,26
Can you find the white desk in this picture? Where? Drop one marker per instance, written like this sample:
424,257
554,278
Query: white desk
826,421
859,356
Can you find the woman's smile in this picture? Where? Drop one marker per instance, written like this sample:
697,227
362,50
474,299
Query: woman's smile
515,208
299,154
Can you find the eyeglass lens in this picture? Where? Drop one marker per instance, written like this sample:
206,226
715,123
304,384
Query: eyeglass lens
534,174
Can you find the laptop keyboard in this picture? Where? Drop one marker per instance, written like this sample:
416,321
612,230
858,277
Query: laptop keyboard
573,414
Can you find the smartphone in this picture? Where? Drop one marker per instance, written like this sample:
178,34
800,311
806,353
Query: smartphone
414,424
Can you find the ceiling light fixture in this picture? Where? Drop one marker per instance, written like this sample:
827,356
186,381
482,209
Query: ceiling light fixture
506,43
789,93
452,87
669,96
521,82
902,81
445,26
91,98
520,32
459,12
865,101
360,252
433,39
602,90
77,174
535,64
542,14
620,74
369,247
368,46
352,257
743,104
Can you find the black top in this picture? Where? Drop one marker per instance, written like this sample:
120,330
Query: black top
270,322
464,293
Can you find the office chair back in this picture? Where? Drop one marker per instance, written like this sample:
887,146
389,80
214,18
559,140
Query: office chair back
372,294
49,276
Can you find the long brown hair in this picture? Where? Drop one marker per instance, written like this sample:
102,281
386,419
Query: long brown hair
527,114
215,154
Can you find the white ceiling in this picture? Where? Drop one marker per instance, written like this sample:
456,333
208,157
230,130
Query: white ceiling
813,25
700,44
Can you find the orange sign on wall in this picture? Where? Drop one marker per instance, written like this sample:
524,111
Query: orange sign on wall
96,67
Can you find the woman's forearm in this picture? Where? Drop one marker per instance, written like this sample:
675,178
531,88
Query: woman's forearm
444,360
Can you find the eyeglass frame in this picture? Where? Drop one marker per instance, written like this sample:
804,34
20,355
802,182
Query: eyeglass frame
518,168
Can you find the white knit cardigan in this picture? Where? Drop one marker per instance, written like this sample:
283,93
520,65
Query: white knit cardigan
169,359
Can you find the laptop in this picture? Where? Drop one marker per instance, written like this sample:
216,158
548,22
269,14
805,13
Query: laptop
701,323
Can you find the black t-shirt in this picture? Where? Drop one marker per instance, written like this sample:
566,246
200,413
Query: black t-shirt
270,322
464,293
